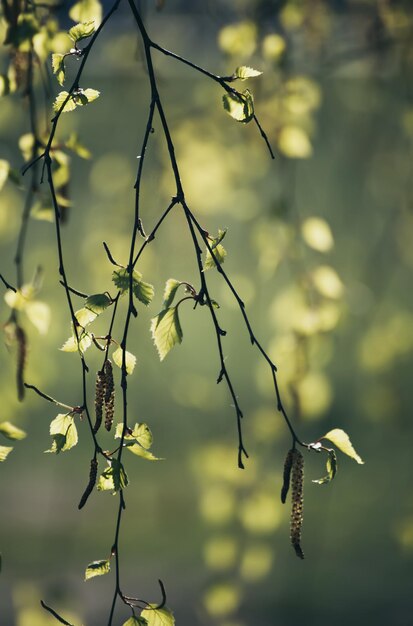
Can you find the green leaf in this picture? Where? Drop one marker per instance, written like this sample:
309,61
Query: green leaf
143,291
130,359
171,287
64,433
136,621
331,469
113,477
98,303
60,99
41,212
82,31
71,345
4,172
239,106
85,96
245,72
4,452
85,316
218,250
158,617
86,10
58,65
39,315
135,448
140,433
342,441
166,331
12,432
97,568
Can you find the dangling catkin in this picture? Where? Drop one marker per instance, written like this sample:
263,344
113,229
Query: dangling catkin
287,475
100,391
109,395
21,359
92,481
296,522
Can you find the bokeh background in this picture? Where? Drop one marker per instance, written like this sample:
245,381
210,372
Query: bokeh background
319,246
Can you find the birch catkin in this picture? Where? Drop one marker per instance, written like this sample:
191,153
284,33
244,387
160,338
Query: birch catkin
21,360
296,522
287,475
109,395
100,391
92,482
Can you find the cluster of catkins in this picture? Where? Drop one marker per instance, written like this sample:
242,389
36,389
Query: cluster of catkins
104,396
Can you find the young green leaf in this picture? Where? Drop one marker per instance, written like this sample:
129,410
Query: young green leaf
4,452
86,10
143,291
97,568
342,441
331,469
245,72
58,65
71,345
137,449
85,316
239,106
64,433
12,432
82,31
39,315
135,621
171,287
113,477
158,617
140,433
60,100
218,250
130,359
166,331
98,303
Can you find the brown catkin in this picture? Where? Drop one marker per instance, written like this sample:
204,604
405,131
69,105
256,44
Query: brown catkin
100,391
287,475
92,482
109,395
297,485
21,359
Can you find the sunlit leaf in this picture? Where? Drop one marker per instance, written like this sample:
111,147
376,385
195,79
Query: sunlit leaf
342,441
113,477
86,10
158,617
80,31
218,250
166,331
144,292
58,65
140,433
59,101
171,287
12,432
130,359
4,172
245,72
71,345
331,469
98,303
40,315
85,316
135,621
4,452
97,568
135,448
64,433
327,281
83,97
239,106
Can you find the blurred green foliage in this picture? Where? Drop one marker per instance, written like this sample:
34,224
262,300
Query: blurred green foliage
319,244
